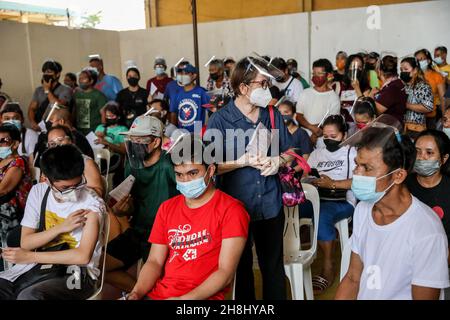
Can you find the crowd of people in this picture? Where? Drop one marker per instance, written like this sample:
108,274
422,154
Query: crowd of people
375,129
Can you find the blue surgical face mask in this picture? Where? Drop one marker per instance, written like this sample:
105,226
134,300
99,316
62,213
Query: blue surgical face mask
17,123
439,60
423,65
5,152
365,188
193,189
159,71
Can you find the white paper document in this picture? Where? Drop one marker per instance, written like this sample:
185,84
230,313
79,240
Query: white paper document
91,137
260,142
121,191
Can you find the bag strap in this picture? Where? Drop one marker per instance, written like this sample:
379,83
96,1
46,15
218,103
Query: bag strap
285,89
348,163
43,208
272,117
24,134
300,160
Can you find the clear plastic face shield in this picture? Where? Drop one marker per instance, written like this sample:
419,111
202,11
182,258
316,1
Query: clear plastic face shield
355,68
383,121
264,67
138,150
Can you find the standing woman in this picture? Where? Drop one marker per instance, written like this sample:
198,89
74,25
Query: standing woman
254,180
437,83
132,99
420,97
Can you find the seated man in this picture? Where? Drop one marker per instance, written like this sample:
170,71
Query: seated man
61,227
197,239
399,246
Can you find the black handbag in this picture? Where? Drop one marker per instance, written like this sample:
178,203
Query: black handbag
40,272
336,194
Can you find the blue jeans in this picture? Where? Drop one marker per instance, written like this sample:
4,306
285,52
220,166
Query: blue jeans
330,213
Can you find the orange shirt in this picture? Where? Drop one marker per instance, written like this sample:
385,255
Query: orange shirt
434,79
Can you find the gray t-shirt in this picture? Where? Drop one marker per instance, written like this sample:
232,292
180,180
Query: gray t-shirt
62,91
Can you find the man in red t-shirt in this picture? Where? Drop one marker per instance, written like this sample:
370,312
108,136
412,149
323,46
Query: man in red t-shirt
197,238
156,86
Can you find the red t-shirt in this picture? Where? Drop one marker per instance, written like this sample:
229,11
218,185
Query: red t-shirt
194,237
159,84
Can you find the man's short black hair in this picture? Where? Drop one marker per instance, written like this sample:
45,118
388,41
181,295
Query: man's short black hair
398,150
279,63
325,64
192,149
62,163
11,130
54,66
12,107
441,49
164,104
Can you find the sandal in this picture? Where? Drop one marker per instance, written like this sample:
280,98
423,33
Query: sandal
320,284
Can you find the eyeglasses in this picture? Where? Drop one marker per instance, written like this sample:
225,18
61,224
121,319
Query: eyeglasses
139,140
67,190
264,83
57,141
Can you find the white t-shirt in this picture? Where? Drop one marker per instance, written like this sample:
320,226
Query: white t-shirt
335,165
293,91
57,212
31,138
315,105
412,250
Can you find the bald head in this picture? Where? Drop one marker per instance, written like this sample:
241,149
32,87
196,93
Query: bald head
61,117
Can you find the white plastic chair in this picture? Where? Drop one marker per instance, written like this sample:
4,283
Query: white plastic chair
342,227
105,154
105,236
345,260
297,262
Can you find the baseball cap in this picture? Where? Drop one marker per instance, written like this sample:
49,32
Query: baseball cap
189,68
145,126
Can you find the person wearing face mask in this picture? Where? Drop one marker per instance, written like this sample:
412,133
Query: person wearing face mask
12,113
430,181
108,84
51,91
300,139
88,103
218,82
341,61
132,99
161,111
229,65
318,102
174,86
197,239
108,133
289,86
420,97
440,58
437,83
335,166
60,229
187,107
292,65
396,238
253,179
364,113
391,98
156,86
155,183
15,180
446,122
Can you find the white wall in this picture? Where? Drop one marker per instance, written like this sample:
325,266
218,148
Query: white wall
404,28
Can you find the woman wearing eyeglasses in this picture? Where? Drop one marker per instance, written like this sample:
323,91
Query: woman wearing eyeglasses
61,135
15,180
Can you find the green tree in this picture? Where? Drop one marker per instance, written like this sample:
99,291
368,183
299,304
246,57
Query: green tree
90,21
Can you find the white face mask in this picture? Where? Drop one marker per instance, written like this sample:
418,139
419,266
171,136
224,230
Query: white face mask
71,196
260,97
159,71
185,79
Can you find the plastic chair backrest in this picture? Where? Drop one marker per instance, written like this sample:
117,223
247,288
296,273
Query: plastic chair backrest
312,195
104,154
104,234
345,259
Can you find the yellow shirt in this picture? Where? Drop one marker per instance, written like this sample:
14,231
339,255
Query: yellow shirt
445,71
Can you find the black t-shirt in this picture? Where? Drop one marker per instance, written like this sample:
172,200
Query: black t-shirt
433,197
134,104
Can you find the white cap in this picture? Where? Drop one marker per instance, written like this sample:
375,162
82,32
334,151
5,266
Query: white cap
145,126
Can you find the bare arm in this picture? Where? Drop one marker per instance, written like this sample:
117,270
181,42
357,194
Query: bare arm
94,178
417,108
32,108
349,287
441,91
173,118
151,271
424,293
10,180
230,253
304,123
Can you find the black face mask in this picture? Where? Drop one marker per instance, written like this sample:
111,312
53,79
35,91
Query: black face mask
48,125
332,145
133,81
227,73
405,76
288,119
48,78
370,66
214,76
111,122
